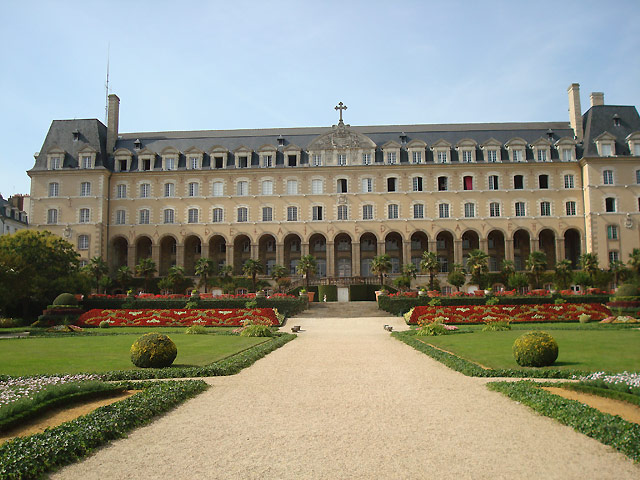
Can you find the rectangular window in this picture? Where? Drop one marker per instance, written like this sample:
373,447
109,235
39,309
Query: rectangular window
316,160
193,189
518,156
545,209
194,163
614,256
120,217
444,264
443,210
292,187
86,162
638,174
366,159
243,162
493,182
218,215
605,150
146,164
467,156
267,214
567,155
83,242
418,210
494,209
570,208
218,162
612,232
367,212
170,163
169,189
416,157
417,184
342,185
267,161
569,181
392,158
520,209
54,189
392,184
443,184
492,156
543,181
317,213
193,215
217,189
55,163
442,157
84,215
243,214
467,182
367,185
518,182
636,149
393,211
343,212
144,217
145,190
242,188
121,191
542,155
469,210
52,216
607,177
316,187
267,187
342,159
169,215
292,214
610,204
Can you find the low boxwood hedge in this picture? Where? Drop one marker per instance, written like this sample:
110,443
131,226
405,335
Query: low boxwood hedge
608,429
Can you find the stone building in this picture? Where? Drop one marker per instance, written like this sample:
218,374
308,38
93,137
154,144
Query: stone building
13,216
345,193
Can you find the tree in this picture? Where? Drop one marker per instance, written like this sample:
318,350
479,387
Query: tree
279,274
97,268
583,279
518,281
36,266
634,260
380,265
456,276
478,267
307,266
563,274
124,277
146,268
252,268
618,270
204,269
430,264
536,264
589,264
226,271
409,271
176,278
508,269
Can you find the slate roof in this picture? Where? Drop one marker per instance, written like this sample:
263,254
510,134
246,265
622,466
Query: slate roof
600,118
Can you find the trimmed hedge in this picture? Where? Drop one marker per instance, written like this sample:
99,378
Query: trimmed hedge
401,305
362,293
331,291
33,456
608,429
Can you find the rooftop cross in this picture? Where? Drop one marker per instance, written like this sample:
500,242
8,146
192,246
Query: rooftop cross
341,106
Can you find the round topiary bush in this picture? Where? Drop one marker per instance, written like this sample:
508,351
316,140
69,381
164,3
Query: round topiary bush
66,299
153,350
535,349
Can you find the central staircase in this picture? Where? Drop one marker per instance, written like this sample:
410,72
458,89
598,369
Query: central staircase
343,310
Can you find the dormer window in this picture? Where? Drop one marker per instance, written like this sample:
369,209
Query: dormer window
342,159
392,158
194,163
280,141
243,162
605,150
76,135
267,161
467,150
605,143
391,152
633,140
170,163
516,148
541,150
616,120
137,144
87,161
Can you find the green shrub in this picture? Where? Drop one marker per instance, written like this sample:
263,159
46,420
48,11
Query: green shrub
496,326
331,291
153,350
104,324
435,302
196,330
559,301
256,331
194,303
9,322
584,318
535,349
432,329
627,290
65,299
492,301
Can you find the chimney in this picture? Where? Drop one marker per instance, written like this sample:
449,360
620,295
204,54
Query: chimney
597,98
113,114
575,112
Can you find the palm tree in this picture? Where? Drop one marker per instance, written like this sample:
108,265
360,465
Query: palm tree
617,268
430,265
307,266
97,268
456,276
634,260
175,277
536,264
226,270
508,269
146,268
124,277
252,268
381,265
204,269
589,263
278,272
478,267
563,274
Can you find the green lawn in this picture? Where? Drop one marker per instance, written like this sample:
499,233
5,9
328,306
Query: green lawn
592,350
74,354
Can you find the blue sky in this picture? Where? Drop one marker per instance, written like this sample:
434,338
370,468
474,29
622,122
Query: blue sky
200,65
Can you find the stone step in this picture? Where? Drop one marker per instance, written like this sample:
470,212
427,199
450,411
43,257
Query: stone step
343,310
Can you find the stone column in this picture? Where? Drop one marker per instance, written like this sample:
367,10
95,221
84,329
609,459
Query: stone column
406,252
508,249
560,254
433,246
534,244
331,267
355,259
204,250
280,255
457,251
180,255
131,257
255,251
229,255
484,245
304,249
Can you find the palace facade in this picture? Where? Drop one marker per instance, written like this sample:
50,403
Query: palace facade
345,193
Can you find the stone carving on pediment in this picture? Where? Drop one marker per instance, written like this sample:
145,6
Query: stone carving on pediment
341,137
342,199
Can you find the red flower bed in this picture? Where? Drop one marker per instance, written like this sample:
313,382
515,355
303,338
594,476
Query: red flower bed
151,317
566,312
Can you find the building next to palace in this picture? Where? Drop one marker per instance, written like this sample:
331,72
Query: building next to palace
345,194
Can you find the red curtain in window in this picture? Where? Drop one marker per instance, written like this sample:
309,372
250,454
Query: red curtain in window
468,183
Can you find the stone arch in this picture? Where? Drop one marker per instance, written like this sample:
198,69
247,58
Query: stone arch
521,248
368,250
547,244
318,249
192,253
241,252
144,247
393,243
444,250
572,246
343,248
168,250
292,252
419,244
496,249
119,253
218,251
267,252
470,241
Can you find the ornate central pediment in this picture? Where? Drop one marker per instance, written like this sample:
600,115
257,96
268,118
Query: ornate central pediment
341,136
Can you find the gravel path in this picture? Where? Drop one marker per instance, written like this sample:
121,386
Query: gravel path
347,401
